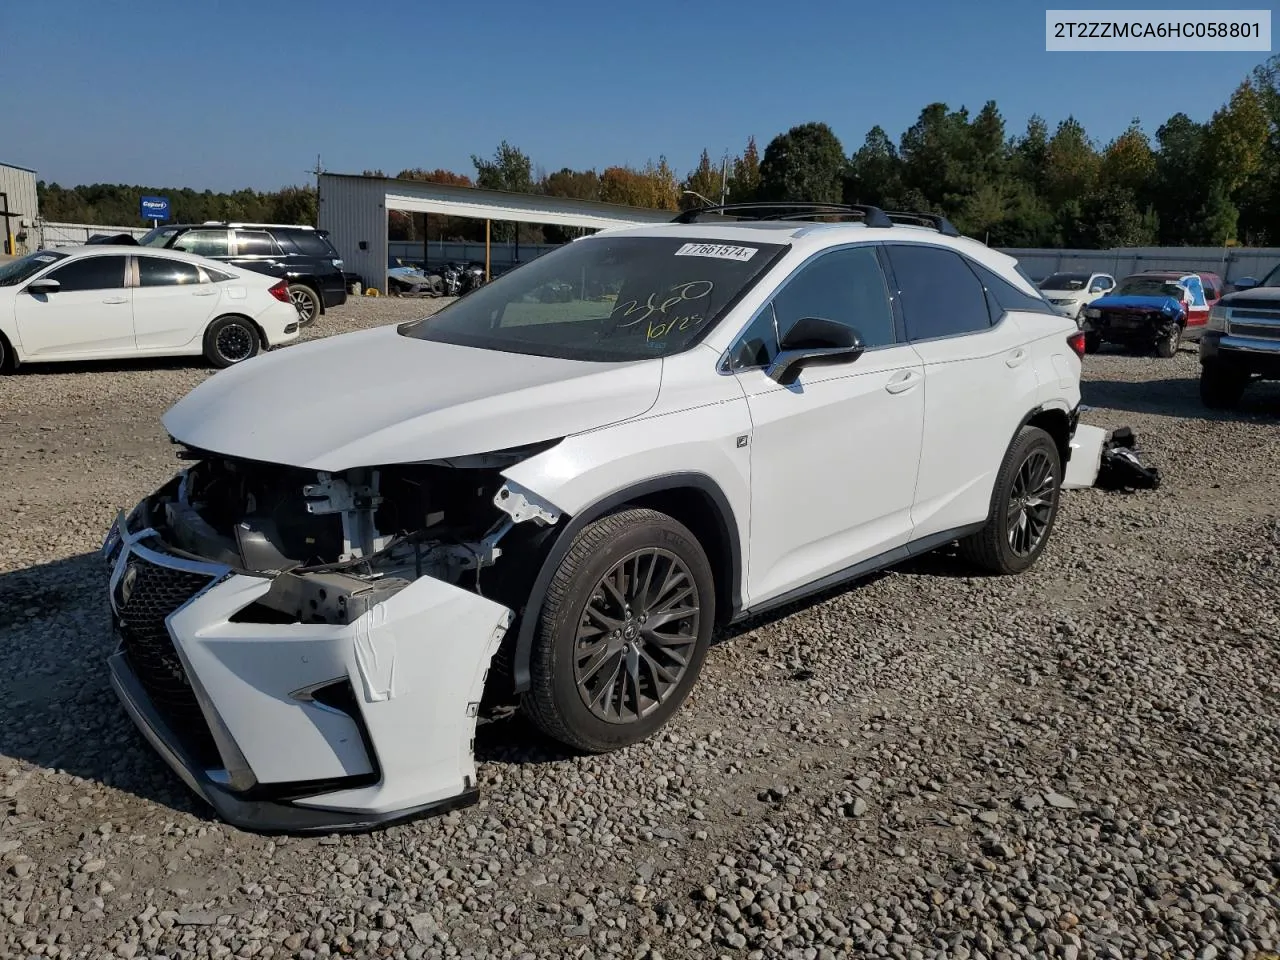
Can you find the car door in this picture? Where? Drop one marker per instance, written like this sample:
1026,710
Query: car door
258,251
89,315
979,375
1196,303
834,454
173,302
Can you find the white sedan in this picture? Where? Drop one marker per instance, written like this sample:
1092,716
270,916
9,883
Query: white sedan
99,302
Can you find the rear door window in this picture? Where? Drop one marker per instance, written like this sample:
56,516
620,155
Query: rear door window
158,272
205,243
312,244
255,243
940,295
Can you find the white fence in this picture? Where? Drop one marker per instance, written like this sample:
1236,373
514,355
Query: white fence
74,234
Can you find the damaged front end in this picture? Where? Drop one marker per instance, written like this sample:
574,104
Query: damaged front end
309,650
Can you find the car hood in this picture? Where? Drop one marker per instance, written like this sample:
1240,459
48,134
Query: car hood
375,397
1143,304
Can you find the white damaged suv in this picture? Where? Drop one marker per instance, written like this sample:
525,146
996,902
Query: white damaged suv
558,486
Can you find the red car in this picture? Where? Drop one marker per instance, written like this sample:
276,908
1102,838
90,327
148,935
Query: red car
1203,290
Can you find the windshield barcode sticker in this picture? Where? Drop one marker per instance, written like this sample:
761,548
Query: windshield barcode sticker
721,251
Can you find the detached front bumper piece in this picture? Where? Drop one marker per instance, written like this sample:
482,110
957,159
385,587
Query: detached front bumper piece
299,727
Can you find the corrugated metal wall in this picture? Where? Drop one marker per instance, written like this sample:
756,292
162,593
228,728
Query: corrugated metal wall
1230,263
20,186
355,214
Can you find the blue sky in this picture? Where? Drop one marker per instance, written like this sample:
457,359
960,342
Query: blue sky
227,93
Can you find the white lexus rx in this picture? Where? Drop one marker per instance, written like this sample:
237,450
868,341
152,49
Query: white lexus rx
560,485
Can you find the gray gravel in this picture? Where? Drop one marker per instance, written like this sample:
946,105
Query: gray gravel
1080,762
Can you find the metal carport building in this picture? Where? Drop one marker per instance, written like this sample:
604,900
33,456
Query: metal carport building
354,210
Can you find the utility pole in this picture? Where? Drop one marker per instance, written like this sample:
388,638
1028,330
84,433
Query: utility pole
724,177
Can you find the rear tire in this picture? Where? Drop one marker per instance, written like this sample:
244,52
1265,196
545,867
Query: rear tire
1024,506
1220,388
610,663
307,302
231,340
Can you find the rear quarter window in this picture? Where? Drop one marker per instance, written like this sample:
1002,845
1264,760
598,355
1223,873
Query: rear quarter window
311,244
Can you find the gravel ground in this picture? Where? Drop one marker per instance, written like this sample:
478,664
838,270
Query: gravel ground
1080,762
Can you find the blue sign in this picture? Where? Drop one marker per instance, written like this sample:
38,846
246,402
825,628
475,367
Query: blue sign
154,208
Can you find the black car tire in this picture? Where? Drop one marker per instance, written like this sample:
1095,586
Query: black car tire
231,340
309,303
557,699
1167,345
990,549
1221,387
1092,342
8,361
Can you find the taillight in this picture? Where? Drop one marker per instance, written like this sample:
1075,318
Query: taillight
280,291
1076,342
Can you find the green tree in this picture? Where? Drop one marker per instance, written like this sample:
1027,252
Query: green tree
704,179
936,154
875,172
806,163
510,170
1128,162
1180,192
1071,163
744,181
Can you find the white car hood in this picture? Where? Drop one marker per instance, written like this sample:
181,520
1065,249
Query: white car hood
375,397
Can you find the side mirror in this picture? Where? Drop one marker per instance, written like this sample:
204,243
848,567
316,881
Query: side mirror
814,340
43,285
1246,283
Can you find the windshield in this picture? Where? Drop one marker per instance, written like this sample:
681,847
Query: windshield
1065,281
1149,287
608,299
157,237
16,271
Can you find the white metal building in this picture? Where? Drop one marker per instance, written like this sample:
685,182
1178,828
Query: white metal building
354,211
19,209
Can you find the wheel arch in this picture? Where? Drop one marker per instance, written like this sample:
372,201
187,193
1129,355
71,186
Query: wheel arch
693,499
262,335
1055,421
9,359
311,282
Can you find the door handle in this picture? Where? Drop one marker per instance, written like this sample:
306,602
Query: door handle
903,381
116,300
1016,357
204,293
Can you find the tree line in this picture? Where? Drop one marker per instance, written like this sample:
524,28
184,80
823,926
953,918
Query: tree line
1212,182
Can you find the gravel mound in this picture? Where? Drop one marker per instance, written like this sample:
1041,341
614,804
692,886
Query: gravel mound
1079,762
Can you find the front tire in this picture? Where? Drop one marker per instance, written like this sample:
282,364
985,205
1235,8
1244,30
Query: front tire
8,359
623,633
1221,389
307,302
1024,506
231,340
1092,342
1167,345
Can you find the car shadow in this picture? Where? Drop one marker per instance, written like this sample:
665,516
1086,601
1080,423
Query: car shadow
57,708
1178,397
129,365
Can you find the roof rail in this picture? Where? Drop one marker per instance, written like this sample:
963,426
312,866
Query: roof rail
253,224
871,216
941,224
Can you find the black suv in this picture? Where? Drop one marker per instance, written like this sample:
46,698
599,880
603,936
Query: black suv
301,255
